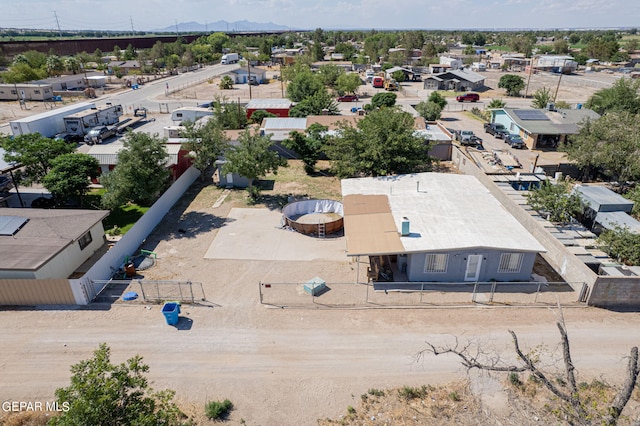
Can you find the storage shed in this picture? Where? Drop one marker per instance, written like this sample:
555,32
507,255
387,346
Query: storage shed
279,107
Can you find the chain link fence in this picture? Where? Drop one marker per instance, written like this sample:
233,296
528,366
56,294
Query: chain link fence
413,294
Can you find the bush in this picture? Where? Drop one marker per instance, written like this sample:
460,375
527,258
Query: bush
217,410
514,379
408,393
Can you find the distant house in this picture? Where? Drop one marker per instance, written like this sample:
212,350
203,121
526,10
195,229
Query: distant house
426,227
556,63
241,75
542,128
454,63
26,92
277,106
67,82
47,243
408,74
459,80
125,67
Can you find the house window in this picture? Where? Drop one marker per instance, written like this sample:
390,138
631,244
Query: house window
436,263
13,92
85,240
510,262
37,92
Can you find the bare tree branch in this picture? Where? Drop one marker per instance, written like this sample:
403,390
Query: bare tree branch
624,394
470,361
566,355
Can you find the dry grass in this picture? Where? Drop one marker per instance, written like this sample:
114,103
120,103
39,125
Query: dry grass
26,418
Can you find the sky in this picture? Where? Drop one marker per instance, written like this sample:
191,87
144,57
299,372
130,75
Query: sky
122,15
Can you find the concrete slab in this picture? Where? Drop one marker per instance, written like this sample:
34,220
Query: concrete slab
255,234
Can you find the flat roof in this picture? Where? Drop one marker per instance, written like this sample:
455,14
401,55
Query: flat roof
44,235
446,212
611,220
277,103
54,112
602,196
108,154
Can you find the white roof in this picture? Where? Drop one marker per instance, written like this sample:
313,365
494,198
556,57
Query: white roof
290,123
446,212
269,103
108,154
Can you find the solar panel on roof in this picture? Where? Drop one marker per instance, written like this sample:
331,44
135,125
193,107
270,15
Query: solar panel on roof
9,225
530,114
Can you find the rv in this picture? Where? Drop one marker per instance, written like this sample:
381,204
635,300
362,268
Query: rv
80,123
190,113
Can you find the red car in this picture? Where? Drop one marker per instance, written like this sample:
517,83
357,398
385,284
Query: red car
471,97
348,98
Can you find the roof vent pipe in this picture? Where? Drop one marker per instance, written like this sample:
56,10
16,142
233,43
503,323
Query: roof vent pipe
405,227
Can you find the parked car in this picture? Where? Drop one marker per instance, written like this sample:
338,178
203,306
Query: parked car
467,137
515,141
348,98
99,133
5,184
495,129
470,97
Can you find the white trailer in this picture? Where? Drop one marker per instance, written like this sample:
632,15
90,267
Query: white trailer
230,58
79,124
48,123
190,113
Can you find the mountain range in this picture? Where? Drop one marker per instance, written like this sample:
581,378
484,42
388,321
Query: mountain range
225,26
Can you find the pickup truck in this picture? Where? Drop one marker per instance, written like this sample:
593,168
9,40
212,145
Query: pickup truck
99,133
497,130
467,137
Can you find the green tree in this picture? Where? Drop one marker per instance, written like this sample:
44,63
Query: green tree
55,65
307,145
623,95
260,115
348,83
561,46
329,74
383,99
304,84
429,110
69,175
71,64
541,98
130,53
226,83
104,394
316,104
382,143
204,142
217,41
141,173
512,83
35,152
347,49
252,158
437,98
398,76
230,115
557,201
611,144
117,52
22,72
621,244
496,104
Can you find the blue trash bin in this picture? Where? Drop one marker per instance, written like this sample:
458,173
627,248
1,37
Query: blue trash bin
171,311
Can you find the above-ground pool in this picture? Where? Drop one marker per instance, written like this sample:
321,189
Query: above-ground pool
314,217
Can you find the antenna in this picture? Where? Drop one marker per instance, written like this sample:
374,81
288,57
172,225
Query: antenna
131,20
57,22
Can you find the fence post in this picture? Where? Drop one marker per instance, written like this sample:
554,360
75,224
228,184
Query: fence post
537,292
473,296
493,290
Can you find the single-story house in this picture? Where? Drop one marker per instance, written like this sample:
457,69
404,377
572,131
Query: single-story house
438,68
178,160
68,82
241,75
347,66
408,74
97,81
542,128
435,227
26,92
277,106
125,67
461,80
47,243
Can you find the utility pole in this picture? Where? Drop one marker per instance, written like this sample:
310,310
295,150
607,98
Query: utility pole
131,20
526,91
177,33
58,23
249,73
564,62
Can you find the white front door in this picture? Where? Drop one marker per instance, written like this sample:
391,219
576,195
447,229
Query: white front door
229,179
474,261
